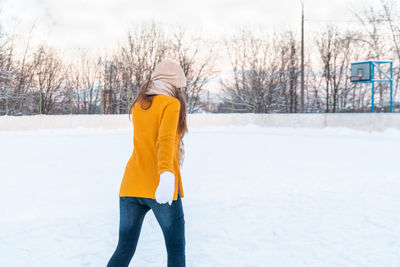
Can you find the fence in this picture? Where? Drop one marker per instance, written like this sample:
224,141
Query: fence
361,121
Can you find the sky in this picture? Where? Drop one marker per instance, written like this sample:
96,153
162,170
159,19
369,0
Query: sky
99,26
75,24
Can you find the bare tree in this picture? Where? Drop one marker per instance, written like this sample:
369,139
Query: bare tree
49,75
391,18
286,46
197,64
336,50
264,76
372,21
265,73
146,46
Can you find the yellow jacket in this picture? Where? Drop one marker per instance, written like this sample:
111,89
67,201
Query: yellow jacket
156,148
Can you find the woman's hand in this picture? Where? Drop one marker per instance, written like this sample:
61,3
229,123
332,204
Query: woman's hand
166,188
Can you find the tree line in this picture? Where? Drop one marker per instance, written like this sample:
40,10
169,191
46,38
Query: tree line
40,82
267,70
264,73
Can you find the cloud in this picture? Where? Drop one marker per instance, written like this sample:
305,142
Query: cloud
102,23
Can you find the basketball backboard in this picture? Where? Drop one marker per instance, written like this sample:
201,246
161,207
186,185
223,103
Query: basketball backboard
360,71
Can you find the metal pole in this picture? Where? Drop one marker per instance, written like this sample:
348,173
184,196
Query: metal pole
373,89
302,57
391,86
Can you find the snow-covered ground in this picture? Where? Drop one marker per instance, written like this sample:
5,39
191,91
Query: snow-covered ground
253,197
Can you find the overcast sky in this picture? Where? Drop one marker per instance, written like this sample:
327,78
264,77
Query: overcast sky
72,24
99,25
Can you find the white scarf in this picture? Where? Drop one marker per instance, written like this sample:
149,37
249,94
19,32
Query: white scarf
161,87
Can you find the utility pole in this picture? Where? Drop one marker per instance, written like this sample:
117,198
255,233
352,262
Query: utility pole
302,57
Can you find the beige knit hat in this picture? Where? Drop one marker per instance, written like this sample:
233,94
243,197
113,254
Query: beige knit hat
170,72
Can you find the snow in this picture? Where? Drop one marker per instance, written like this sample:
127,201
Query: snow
254,196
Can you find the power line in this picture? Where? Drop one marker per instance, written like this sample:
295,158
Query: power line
332,20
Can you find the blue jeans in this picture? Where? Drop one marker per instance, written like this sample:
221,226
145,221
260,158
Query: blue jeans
170,218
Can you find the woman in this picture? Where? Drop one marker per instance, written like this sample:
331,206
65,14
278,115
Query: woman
152,178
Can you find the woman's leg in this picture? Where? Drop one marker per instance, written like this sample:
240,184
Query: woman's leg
132,212
172,223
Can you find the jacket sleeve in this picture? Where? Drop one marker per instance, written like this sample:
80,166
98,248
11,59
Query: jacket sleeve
166,137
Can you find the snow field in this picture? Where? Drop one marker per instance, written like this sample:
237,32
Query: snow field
254,196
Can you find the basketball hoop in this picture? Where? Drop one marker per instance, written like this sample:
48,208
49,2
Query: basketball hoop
364,72
355,78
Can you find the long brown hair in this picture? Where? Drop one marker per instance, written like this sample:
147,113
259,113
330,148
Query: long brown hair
146,102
